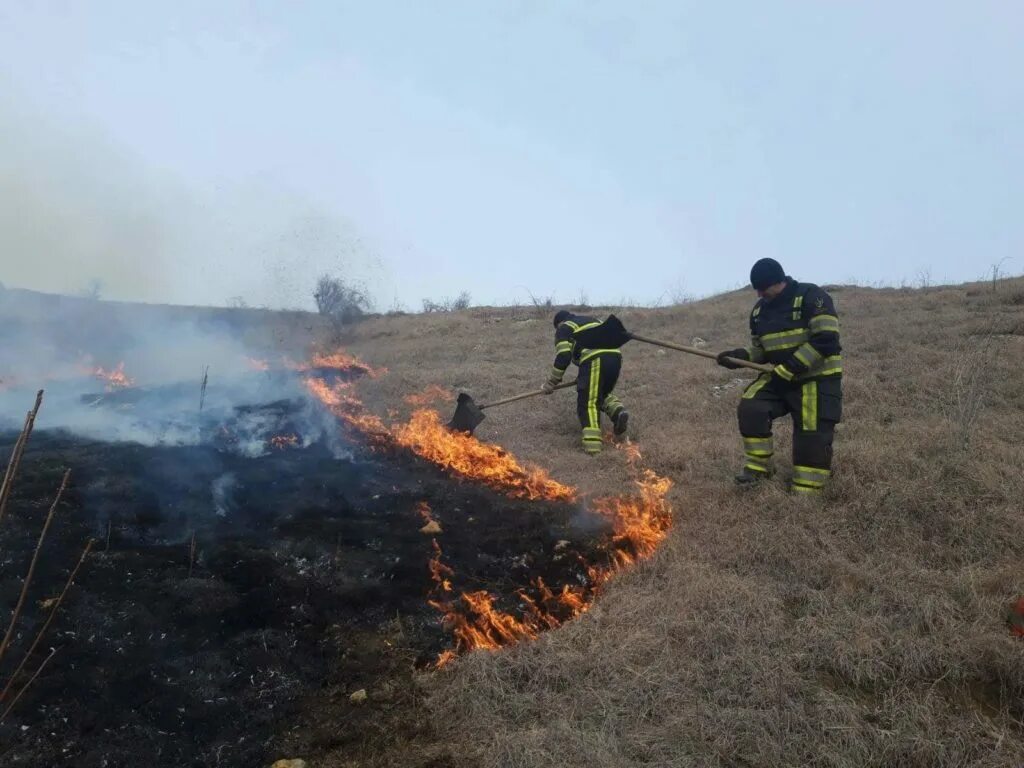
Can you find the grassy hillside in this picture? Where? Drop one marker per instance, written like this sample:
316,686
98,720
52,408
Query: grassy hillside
869,628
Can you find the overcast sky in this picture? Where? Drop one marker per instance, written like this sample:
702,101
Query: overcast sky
191,152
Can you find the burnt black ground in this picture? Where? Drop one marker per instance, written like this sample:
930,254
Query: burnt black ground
310,582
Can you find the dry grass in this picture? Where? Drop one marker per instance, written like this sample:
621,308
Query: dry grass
867,630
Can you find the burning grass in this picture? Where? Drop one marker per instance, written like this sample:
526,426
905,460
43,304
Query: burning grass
432,395
427,437
639,523
467,457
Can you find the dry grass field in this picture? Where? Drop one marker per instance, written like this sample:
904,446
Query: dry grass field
866,629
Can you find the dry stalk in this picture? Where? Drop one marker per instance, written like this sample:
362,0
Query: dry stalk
202,388
191,554
32,566
19,449
46,661
49,620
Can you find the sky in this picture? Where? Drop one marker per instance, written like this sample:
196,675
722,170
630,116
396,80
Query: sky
207,153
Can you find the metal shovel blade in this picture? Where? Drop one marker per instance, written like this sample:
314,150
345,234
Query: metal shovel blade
467,415
611,334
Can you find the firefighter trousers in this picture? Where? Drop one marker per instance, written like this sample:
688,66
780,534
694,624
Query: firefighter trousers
594,384
816,407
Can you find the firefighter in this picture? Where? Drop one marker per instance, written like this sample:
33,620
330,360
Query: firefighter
598,373
794,327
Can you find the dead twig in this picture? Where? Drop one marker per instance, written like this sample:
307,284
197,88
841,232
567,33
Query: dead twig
49,619
202,388
32,566
191,554
53,652
19,449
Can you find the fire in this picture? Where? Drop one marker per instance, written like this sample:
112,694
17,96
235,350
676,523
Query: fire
336,361
339,361
348,408
426,436
439,572
430,396
640,523
425,511
114,378
482,626
280,442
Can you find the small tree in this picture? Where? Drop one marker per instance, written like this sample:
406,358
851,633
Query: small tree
447,304
93,290
339,301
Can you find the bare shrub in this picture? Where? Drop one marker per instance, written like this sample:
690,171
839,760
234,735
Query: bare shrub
542,305
93,290
997,272
447,304
340,301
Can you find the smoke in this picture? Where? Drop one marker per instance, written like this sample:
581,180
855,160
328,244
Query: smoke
80,214
75,209
67,346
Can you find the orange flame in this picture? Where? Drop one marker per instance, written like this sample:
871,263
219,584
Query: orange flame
280,442
439,572
481,626
639,523
114,378
431,395
425,511
426,436
337,361
343,404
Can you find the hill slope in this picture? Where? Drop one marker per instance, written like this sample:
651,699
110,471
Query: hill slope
868,629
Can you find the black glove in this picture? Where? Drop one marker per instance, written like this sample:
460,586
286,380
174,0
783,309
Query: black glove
739,354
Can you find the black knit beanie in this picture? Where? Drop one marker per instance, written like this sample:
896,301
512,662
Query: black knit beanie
766,272
561,316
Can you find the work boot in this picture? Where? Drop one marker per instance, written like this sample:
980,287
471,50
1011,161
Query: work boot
621,421
748,477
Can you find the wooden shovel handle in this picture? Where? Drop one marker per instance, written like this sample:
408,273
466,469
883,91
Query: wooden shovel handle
763,367
524,395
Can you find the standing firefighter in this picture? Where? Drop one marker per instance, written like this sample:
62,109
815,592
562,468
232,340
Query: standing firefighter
598,373
794,327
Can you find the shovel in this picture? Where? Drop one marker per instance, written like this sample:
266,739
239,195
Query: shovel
468,414
612,334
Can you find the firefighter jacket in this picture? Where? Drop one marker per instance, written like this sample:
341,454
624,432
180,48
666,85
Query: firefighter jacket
568,351
798,333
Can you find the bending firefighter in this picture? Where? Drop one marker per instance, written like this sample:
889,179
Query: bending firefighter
598,373
794,327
